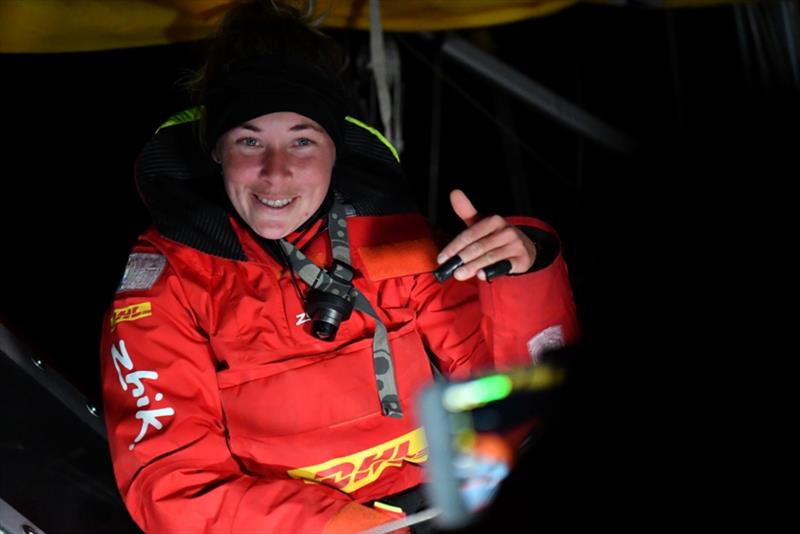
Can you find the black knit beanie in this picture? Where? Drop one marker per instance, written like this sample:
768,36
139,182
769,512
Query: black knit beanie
271,84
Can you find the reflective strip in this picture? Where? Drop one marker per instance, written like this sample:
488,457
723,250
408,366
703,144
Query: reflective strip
187,115
142,271
388,507
376,133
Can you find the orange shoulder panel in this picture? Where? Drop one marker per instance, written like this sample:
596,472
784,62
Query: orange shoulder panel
393,245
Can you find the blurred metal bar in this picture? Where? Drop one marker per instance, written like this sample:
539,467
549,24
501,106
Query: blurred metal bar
12,522
536,95
755,20
789,17
53,382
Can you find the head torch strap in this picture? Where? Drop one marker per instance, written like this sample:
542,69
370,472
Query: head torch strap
320,279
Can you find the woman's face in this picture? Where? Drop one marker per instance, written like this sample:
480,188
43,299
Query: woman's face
277,170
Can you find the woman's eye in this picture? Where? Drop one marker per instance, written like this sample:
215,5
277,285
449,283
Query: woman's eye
304,141
249,141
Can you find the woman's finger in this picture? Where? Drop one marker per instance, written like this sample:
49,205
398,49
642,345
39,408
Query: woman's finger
469,236
513,252
508,244
463,207
489,242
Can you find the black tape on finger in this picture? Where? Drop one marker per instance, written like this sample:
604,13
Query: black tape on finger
497,269
447,269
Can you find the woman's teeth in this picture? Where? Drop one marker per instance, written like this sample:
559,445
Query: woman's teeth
275,203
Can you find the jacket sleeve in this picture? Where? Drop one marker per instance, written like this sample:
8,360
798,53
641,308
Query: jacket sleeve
449,321
472,326
166,425
528,314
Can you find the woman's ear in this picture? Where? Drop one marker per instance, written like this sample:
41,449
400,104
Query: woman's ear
215,155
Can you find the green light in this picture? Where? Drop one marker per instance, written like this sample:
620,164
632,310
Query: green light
460,397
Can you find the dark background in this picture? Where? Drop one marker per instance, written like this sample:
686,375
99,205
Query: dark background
664,247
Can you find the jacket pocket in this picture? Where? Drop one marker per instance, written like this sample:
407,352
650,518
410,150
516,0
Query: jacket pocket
308,392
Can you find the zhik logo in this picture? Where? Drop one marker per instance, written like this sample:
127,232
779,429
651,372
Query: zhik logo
302,318
149,418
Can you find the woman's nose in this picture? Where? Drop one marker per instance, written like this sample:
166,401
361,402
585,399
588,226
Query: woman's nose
275,165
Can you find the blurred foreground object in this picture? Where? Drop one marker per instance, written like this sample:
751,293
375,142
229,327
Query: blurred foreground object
472,428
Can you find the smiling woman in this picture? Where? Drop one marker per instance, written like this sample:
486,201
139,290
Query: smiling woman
293,315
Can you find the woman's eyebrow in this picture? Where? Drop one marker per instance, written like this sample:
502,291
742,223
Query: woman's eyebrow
305,126
296,128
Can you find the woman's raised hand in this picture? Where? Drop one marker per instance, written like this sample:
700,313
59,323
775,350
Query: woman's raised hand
488,247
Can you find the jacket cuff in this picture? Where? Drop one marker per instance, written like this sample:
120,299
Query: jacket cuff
547,247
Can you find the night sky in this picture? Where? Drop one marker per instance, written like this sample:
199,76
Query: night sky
651,240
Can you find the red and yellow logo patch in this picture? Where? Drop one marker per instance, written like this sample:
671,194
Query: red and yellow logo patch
133,312
357,470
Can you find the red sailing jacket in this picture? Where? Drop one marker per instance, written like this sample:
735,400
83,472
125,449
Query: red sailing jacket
225,414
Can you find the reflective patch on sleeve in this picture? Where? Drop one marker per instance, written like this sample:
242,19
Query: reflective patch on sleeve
550,338
142,271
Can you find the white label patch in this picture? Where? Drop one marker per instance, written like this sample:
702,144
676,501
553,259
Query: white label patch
142,271
550,338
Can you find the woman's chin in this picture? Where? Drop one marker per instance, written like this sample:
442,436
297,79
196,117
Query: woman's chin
272,231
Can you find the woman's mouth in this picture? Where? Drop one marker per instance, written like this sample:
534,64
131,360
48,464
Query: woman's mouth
275,203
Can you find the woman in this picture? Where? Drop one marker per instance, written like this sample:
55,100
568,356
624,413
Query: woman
246,388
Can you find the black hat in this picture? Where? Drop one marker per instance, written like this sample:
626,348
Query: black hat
270,84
